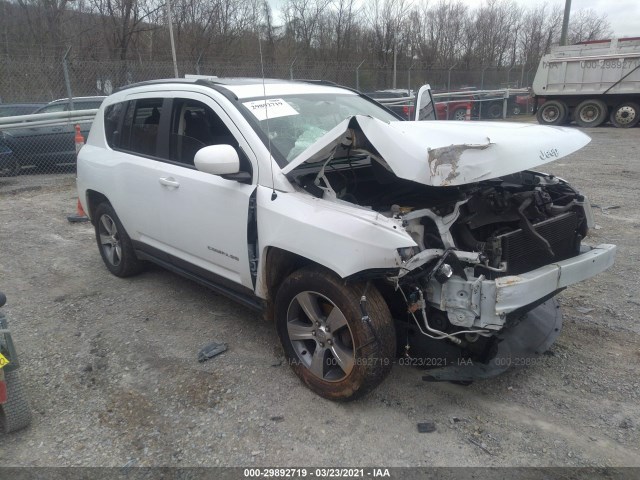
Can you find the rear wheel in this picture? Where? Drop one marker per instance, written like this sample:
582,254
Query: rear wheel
333,348
553,112
115,245
459,114
590,113
625,115
495,111
15,414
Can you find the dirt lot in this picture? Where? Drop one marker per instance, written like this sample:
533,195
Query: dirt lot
110,364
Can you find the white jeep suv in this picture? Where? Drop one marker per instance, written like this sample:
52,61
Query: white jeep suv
368,240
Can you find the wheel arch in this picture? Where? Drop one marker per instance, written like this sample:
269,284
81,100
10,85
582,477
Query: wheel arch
93,199
278,264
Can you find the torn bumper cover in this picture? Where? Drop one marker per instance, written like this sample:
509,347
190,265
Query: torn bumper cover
485,303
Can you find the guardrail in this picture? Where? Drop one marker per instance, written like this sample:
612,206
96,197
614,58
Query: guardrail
48,119
472,96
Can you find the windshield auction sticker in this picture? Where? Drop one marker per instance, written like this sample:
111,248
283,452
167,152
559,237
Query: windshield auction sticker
271,108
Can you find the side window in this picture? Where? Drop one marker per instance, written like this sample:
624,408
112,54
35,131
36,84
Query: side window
193,126
140,126
87,105
112,115
56,107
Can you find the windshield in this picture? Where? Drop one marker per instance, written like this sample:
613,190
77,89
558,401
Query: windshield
297,121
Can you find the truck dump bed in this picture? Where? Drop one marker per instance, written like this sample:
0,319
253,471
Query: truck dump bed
590,68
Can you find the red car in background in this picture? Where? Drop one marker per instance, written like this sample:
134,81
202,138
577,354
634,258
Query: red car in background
402,102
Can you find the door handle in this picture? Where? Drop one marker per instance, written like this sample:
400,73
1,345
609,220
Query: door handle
169,182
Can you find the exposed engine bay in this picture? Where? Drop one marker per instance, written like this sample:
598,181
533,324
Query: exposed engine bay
512,224
465,236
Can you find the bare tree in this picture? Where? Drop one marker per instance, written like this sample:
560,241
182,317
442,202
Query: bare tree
123,21
586,25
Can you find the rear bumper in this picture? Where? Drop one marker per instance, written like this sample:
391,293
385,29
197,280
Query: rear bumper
485,303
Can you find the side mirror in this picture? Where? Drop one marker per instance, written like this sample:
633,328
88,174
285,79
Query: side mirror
217,160
424,109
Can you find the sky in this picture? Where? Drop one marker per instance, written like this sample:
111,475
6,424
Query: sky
623,15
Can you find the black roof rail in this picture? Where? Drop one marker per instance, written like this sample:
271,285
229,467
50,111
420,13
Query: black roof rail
218,86
329,83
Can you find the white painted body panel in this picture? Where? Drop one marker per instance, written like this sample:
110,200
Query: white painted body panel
344,239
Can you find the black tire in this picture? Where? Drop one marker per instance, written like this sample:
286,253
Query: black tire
459,114
115,246
625,115
590,113
352,358
494,111
15,414
553,112
516,110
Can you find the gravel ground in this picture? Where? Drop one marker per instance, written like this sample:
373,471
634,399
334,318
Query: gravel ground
110,364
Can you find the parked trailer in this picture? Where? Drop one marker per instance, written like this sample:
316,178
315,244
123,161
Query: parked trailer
590,82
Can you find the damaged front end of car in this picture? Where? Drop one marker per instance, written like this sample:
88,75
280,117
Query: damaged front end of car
494,240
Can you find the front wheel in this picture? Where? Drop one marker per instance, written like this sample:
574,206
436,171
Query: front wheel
339,347
553,112
115,245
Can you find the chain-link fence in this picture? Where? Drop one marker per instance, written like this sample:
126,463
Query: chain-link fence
50,79
47,145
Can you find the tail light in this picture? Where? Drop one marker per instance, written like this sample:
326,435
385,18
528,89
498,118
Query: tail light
408,110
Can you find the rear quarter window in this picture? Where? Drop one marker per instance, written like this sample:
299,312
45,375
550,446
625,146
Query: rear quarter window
112,115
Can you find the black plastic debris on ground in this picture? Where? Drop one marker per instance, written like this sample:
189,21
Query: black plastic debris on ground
426,427
211,351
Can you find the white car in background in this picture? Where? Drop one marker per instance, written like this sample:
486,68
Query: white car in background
368,240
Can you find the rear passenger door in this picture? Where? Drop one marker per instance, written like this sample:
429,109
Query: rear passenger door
131,128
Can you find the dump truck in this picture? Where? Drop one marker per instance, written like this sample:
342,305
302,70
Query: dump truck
590,83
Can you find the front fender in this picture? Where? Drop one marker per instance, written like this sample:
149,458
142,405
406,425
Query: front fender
342,238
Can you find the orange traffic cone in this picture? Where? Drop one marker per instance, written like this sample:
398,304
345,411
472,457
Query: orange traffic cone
79,139
79,216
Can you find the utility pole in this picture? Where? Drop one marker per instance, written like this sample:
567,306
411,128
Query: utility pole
395,62
565,22
173,45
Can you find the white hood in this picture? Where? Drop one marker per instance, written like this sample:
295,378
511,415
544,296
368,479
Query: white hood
447,153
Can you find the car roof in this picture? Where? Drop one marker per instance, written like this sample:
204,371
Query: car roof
246,87
21,104
78,99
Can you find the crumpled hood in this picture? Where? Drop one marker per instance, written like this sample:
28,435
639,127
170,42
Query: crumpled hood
448,153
